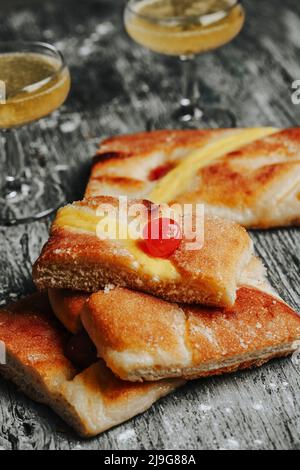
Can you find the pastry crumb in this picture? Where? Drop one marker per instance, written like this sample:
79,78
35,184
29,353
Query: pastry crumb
108,288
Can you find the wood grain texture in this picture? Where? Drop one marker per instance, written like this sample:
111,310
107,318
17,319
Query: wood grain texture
117,88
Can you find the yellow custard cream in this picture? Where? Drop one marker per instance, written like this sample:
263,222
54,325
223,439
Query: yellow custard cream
178,180
79,219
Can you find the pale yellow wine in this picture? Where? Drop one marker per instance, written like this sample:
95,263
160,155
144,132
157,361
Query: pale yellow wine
184,27
35,85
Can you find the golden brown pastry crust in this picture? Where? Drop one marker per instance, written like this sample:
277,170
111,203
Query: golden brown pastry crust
144,338
67,306
123,164
90,401
257,186
78,260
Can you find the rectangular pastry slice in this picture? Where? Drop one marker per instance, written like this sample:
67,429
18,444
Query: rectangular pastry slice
134,164
68,305
76,257
92,400
142,337
251,176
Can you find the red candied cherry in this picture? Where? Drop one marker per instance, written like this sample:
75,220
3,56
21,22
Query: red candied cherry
161,237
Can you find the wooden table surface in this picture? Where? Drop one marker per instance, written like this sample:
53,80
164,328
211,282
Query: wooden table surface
118,87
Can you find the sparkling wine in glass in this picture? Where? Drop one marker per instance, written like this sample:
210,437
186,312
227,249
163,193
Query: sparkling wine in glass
186,28
34,81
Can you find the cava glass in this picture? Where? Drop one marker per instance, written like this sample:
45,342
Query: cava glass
34,81
186,28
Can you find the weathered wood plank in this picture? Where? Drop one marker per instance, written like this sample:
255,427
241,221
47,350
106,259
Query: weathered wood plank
117,88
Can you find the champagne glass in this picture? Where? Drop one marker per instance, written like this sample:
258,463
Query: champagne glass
186,28
34,81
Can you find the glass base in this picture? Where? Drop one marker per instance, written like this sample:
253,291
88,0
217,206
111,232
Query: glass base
28,200
193,117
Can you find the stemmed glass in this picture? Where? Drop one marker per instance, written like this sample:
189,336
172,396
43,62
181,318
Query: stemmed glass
186,28
34,81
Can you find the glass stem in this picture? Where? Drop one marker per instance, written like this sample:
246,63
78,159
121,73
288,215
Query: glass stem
189,110
190,94
12,156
